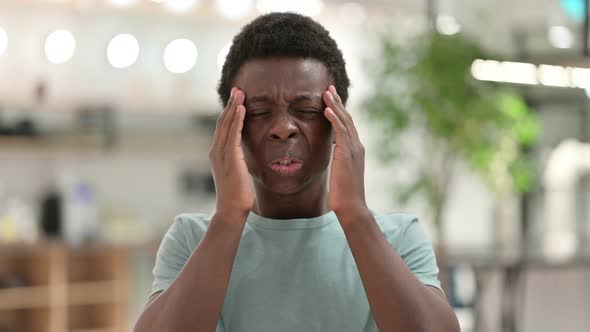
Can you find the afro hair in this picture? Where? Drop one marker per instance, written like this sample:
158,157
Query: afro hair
283,35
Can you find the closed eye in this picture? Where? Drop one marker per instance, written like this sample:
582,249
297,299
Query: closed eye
258,113
309,110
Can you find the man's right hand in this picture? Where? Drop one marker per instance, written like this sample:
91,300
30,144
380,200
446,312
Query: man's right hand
233,186
201,282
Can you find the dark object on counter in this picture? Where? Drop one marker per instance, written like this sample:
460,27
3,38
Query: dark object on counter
14,281
196,182
3,131
52,213
101,120
24,127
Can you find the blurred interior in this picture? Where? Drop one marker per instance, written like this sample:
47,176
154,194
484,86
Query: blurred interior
106,123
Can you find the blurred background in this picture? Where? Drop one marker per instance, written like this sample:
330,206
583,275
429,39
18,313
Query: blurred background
474,114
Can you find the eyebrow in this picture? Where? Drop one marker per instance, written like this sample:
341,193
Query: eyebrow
257,99
306,97
296,99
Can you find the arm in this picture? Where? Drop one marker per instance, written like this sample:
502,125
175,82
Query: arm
398,300
194,300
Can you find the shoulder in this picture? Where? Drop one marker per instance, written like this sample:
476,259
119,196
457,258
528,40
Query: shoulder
189,228
190,220
406,235
400,229
394,222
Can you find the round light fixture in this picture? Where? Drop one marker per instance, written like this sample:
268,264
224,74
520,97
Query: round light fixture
304,7
180,6
123,50
560,37
180,56
60,46
122,3
447,25
234,9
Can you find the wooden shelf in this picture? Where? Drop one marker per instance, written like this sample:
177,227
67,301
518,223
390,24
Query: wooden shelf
97,292
27,320
88,146
24,297
72,289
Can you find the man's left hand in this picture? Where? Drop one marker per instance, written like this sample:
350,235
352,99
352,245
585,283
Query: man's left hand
347,188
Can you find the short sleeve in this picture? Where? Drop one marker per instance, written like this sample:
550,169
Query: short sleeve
175,249
171,257
417,252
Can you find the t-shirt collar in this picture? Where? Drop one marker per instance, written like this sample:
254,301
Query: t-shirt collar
298,223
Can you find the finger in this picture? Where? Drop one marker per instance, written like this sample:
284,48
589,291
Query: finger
340,112
335,93
338,101
334,101
338,108
238,100
222,117
342,137
235,131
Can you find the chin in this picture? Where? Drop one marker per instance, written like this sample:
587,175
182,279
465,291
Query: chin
285,185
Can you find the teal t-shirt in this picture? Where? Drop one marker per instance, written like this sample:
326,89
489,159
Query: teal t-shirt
295,274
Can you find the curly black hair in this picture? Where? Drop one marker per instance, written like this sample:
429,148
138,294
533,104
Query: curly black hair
283,35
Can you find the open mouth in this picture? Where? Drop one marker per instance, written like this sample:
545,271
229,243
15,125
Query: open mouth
286,166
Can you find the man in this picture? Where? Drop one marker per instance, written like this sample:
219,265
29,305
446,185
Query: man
281,252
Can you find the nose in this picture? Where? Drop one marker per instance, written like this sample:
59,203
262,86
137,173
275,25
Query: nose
283,127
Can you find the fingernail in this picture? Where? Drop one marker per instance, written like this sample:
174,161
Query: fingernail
333,89
233,90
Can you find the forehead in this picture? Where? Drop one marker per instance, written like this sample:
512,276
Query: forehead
267,76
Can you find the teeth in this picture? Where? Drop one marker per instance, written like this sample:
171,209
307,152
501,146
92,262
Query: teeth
285,162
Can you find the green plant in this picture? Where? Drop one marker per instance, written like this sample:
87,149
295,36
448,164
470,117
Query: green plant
426,87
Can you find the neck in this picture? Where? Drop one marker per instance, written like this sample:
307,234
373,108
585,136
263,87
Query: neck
310,202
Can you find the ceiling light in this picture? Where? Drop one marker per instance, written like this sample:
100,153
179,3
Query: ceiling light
60,46
529,73
123,51
560,37
580,77
553,76
519,72
447,25
180,56
234,9
486,70
180,6
122,3
304,7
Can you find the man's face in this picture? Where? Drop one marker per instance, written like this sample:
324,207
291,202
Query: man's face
285,119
